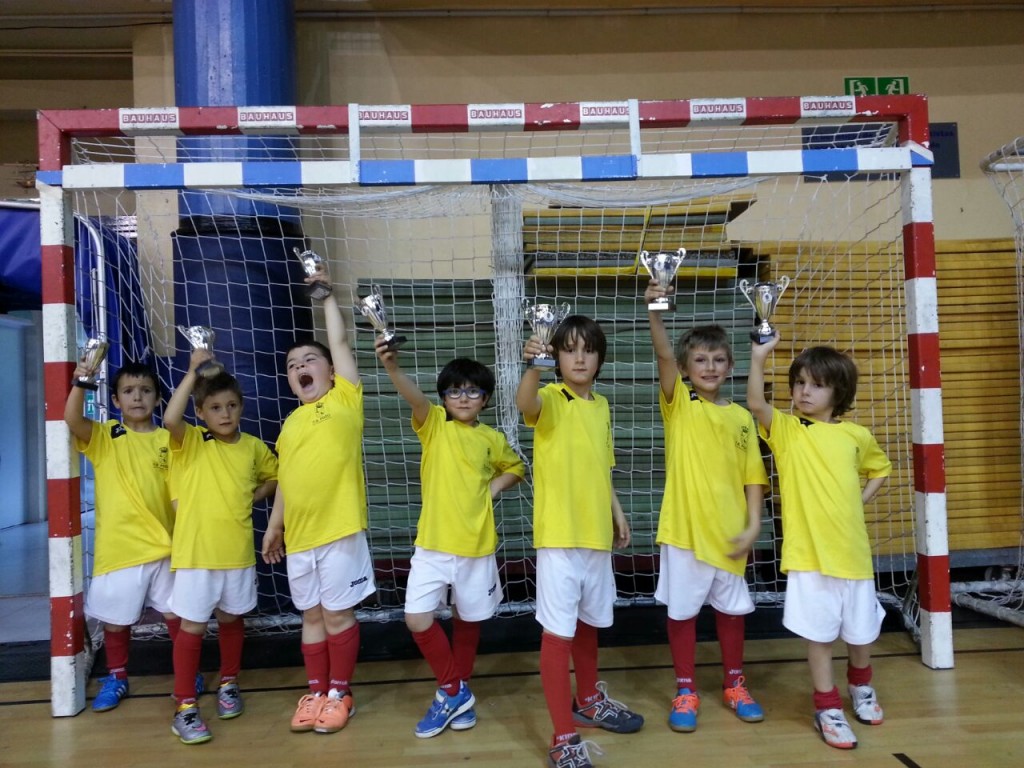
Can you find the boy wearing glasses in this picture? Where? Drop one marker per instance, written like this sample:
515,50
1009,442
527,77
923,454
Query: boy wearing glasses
464,466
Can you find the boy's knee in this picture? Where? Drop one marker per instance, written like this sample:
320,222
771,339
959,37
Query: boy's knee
419,622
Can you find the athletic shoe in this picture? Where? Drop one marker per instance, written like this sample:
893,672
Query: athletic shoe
200,685
572,754
336,711
465,721
189,726
865,705
112,691
832,725
443,710
683,715
307,712
607,713
229,701
738,699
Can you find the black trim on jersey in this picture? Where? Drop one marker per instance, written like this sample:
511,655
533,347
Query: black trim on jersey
806,422
694,396
207,436
116,430
567,394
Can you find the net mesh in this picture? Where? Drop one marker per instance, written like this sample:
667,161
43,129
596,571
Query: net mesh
454,264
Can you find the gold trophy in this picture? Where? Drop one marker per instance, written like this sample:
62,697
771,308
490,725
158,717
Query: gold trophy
202,337
662,268
311,261
544,319
373,309
90,356
765,299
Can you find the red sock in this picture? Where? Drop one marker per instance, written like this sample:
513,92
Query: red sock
318,665
173,627
828,700
343,650
584,660
682,642
554,679
187,649
858,675
231,637
115,643
730,639
433,644
465,641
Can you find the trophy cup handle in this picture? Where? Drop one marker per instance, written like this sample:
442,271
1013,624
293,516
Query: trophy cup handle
564,309
645,260
747,288
783,284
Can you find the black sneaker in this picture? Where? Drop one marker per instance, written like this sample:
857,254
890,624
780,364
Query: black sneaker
607,713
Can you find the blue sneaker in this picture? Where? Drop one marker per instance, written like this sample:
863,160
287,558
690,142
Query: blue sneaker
443,710
738,698
465,721
111,693
607,713
200,685
682,718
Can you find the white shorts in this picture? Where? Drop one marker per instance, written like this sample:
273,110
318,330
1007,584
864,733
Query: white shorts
822,608
685,584
198,591
118,597
338,575
474,581
574,584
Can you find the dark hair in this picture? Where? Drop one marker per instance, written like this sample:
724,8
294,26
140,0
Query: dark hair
582,328
463,370
311,343
830,368
222,382
139,370
702,337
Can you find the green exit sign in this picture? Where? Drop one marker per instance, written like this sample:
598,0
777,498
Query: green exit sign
876,86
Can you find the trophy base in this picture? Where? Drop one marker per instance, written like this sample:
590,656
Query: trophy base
92,386
761,338
209,369
394,342
661,306
542,362
318,291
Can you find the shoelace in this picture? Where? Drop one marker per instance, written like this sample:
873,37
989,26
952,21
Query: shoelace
739,695
577,755
685,702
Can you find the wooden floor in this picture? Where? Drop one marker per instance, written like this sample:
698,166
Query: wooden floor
968,716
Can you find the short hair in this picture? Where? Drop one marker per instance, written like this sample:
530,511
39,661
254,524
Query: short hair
702,337
139,370
582,328
208,387
830,368
323,348
463,370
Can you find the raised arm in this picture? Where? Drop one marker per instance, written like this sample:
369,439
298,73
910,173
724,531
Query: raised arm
667,368
756,401
337,335
406,387
528,394
74,407
174,413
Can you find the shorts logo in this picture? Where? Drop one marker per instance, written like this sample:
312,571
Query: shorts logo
492,589
358,581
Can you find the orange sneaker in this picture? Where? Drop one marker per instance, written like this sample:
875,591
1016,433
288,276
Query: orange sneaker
307,712
338,708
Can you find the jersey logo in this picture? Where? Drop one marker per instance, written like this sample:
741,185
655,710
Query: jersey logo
694,396
741,443
208,436
161,460
117,430
320,413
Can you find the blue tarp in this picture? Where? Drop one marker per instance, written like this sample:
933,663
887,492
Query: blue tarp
20,275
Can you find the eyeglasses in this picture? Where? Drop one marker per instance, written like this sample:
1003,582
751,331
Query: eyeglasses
473,393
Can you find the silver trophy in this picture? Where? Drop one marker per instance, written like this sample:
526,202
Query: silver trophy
662,268
90,356
372,308
544,319
764,301
311,260
202,337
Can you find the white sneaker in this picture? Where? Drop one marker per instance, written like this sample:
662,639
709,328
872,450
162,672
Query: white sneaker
832,725
865,705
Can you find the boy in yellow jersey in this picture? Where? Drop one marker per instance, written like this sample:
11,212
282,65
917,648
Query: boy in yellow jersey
464,466
218,473
826,554
577,519
134,518
711,512
320,515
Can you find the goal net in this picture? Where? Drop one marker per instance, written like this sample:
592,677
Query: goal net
458,222
1002,593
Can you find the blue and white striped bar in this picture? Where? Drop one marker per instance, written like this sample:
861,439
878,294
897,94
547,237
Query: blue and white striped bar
698,165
